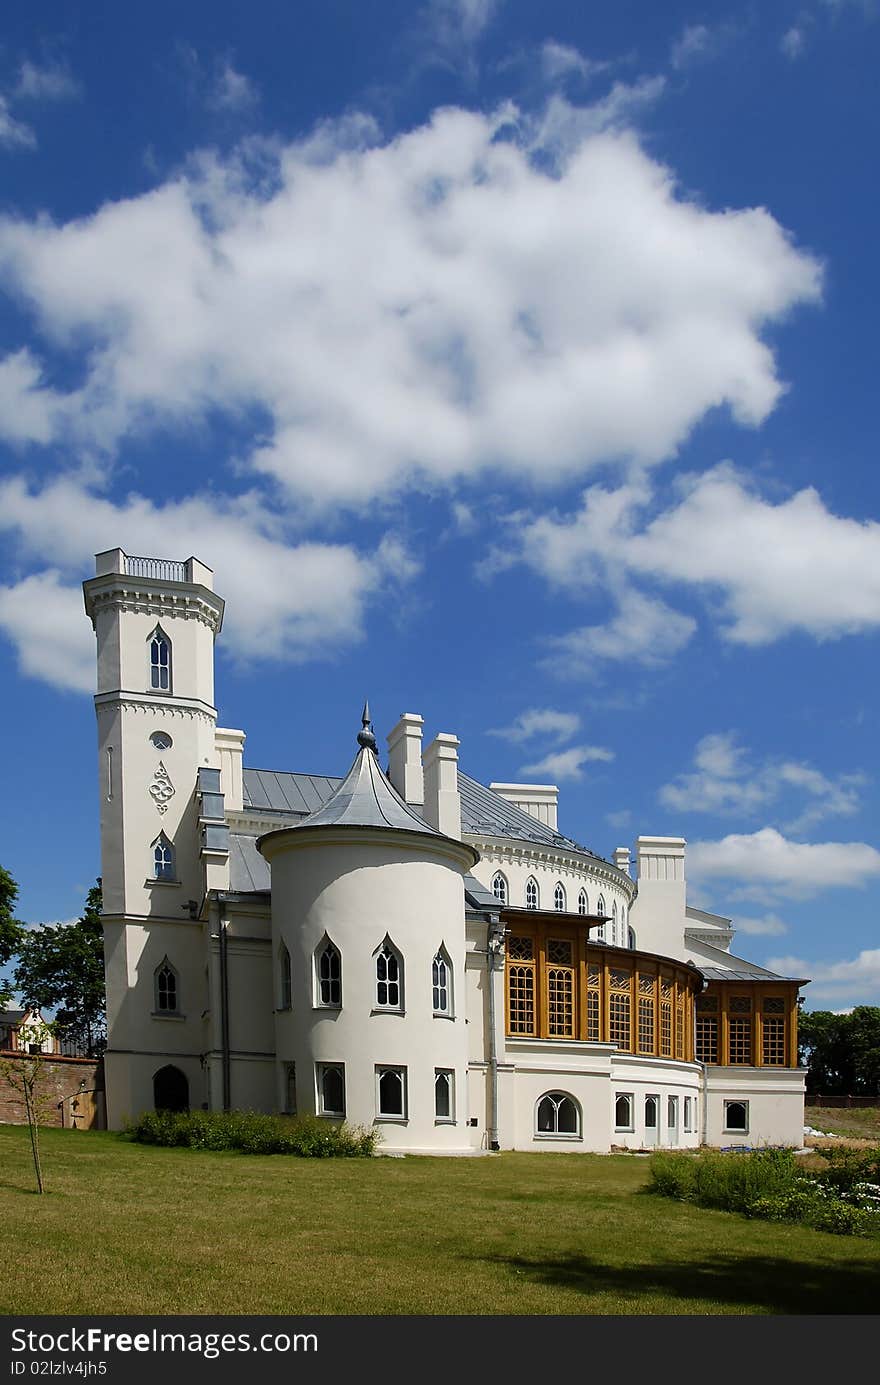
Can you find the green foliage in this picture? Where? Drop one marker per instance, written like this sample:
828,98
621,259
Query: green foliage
11,931
61,967
844,1199
252,1132
841,1052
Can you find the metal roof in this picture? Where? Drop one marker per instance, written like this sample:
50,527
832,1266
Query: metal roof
248,870
485,812
478,897
287,793
367,798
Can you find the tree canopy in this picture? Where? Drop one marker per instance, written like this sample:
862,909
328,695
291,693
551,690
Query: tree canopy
61,967
841,1052
11,931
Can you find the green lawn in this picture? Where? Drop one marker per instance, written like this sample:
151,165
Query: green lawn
128,1228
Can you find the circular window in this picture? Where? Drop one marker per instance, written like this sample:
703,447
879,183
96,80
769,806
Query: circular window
161,740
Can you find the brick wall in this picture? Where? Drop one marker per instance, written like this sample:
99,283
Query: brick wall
70,1092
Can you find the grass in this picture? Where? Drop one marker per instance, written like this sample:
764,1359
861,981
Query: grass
136,1229
854,1122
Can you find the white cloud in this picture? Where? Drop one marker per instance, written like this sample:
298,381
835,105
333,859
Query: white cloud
766,863
459,21
695,43
752,561
53,82
762,558
44,619
568,764
540,721
28,409
726,779
231,90
836,984
561,60
415,312
644,631
14,134
314,603
770,925
793,42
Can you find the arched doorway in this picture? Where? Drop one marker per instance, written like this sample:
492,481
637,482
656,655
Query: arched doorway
170,1089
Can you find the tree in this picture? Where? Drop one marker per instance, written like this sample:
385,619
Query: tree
11,931
61,967
841,1052
26,1075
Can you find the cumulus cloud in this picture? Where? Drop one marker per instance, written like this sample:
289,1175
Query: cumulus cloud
540,721
413,312
793,42
14,134
769,925
836,984
750,560
568,764
50,82
644,631
726,779
314,603
43,618
765,863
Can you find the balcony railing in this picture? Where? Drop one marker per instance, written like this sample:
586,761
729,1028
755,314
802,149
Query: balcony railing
158,569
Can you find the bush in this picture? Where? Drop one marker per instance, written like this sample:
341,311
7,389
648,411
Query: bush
768,1183
252,1132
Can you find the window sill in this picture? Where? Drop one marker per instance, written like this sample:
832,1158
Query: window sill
445,1120
624,1130
391,1120
167,1015
284,1009
439,1015
386,1010
327,1009
331,1115
548,1135
150,881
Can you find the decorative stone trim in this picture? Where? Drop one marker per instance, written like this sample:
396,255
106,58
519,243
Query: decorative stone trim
531,854
124,595
161,789
131,702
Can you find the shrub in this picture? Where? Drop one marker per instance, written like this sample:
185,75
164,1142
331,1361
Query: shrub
252,1132
769,1184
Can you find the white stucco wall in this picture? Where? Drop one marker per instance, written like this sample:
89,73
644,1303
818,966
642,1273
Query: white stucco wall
358,889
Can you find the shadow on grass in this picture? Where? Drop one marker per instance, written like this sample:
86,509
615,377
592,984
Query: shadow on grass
755,1283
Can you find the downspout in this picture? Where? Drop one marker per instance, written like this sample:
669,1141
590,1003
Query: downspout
494,951
224,1014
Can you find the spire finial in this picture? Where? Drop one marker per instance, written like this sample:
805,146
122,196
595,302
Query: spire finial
365,736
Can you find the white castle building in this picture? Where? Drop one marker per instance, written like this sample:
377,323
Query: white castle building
408,950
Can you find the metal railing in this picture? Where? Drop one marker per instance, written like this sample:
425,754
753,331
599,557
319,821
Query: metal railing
159,569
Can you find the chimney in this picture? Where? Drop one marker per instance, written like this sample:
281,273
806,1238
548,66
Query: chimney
621,858
442,800
405,758
540,801
230,748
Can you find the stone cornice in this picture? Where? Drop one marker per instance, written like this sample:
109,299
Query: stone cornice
156,706
499,851
166,600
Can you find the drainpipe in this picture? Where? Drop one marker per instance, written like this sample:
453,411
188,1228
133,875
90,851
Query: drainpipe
494,952
704,1106
224,1014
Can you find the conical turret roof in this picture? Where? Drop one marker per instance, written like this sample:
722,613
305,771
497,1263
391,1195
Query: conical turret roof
366,797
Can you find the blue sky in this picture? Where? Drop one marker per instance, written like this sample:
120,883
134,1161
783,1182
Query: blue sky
513,364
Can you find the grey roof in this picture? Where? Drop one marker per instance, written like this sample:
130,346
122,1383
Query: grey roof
248,870
12,1016
367,798
287,793
477,896
483,811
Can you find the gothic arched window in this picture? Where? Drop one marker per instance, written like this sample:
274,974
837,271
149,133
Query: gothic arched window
163,858
559,897
167,990
583,903
441,983
531,893
389,977
285,979
499,887
328,974
160,661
